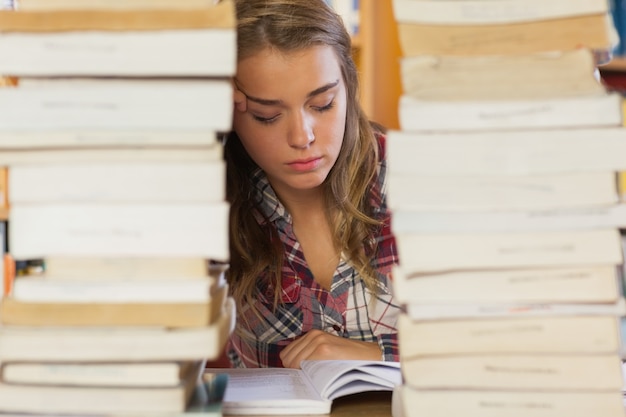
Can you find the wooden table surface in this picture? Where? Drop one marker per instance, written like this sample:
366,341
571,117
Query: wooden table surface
366,404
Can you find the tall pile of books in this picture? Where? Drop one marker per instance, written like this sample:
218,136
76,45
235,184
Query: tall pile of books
117,182
503,190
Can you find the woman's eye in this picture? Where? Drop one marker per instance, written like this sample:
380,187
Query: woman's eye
266,120
326,107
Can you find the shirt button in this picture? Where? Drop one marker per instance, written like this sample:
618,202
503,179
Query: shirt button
336,328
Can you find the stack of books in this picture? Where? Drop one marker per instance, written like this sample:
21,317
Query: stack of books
622,174
503,189
117,182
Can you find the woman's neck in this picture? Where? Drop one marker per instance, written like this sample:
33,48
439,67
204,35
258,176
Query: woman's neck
312,227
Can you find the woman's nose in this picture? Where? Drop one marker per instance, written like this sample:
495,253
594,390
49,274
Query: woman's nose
301,134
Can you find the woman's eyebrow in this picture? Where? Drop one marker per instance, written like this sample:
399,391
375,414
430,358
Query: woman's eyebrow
323,89
271,102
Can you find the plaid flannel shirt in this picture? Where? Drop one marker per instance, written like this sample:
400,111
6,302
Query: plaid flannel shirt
345,310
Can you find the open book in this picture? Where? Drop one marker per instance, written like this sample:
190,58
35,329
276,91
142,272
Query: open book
309,390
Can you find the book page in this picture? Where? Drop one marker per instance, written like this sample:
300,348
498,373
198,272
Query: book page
336,378
270,391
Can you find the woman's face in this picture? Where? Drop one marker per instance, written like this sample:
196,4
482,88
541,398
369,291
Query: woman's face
292,118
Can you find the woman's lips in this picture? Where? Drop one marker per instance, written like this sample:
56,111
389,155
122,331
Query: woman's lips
303,165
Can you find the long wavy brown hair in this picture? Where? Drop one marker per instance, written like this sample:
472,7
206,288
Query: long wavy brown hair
293,25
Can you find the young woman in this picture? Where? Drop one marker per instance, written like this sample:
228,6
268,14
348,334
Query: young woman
311,247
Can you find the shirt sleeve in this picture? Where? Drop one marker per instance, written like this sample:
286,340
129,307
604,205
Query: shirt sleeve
388,343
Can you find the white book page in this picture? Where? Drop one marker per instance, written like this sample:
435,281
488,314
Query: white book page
334,379
271,391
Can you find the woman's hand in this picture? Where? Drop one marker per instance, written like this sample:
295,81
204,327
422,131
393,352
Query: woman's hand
318,344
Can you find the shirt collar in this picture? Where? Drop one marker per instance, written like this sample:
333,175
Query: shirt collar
270,207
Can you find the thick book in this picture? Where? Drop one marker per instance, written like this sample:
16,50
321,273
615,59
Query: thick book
94,314
512,152
142,41
562,284
611,216
158,53
410,402
481,12
448,252
201,182
124,230
66,305
546,75
442,311
114,343
116,104
90,400
102,138
502,192
108,154
309,390
123,269
592,31
48,5
523,371
514,335
119,19
110,374
39,288
457,116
